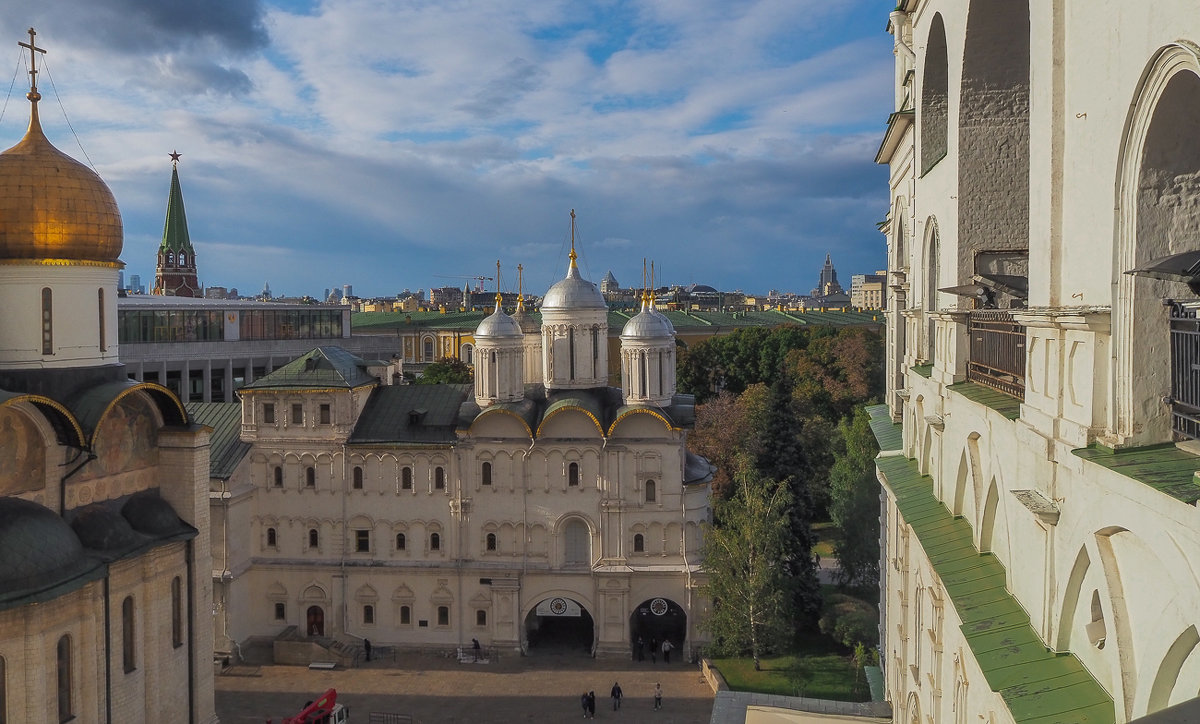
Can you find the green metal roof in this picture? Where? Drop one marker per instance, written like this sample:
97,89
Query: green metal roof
685,323
422,414
175,231
1039,686
1001,402
889,434
925,371
1165,468
321,368
226,448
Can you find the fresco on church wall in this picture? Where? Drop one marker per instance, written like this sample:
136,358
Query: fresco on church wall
22,454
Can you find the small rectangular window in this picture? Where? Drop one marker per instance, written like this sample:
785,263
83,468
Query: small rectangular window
297,413
443,616
103,340
127,634
269,413
47,321
368,614
280,610
326,414
480,617
362,541
405,616
439,478
406,479
176,612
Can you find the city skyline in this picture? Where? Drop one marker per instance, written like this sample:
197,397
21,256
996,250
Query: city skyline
332,143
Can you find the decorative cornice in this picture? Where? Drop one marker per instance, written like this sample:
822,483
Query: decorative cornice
1083,318
63,262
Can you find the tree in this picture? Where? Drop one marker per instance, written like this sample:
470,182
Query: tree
446,370
743,556
851,621
781,458
854,500
727,426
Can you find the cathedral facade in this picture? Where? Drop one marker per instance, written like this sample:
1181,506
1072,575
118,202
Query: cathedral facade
105,580
527,514
1039,435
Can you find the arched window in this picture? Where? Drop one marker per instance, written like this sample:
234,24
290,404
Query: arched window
480,617
278,476
314,538
934,115
573,474
176,613
405,616
401,541
65,708
491,541
639,543
578,544
368,614
651,491
280,611
435,542
47,321
127,634
485,473
271,538
427,344
443,616
310,477
103,341
358,478
406,478
439,478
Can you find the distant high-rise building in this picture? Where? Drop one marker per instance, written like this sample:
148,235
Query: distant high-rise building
347,291
828,284
609,285
135,284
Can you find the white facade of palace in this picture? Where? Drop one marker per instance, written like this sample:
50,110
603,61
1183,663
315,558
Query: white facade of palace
1039,150
423,516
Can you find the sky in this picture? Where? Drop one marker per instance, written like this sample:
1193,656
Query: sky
393,144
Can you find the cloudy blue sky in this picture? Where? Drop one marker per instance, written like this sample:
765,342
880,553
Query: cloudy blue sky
384,143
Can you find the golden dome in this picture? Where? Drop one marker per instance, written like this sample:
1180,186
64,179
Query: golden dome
53,207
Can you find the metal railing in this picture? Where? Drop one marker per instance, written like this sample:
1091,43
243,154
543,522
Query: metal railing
997,351
1185,370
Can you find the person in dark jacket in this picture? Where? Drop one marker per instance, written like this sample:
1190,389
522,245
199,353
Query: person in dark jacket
616,695
591,705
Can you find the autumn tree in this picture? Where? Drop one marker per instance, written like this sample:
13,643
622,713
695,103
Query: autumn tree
743,557
727,426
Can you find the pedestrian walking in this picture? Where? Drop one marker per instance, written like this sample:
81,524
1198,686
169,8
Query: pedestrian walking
583,701
367,648
641,649
666,649
474,649
657,697
591,705
616,695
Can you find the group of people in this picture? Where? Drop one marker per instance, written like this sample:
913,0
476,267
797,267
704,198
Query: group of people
588,700
655,648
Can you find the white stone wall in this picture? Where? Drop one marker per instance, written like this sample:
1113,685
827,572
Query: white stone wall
1112,95
76,312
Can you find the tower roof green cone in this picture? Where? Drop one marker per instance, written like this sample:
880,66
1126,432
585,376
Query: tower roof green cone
175,230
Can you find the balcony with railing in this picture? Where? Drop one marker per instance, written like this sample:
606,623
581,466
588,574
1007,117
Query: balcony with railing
1185,370
997,351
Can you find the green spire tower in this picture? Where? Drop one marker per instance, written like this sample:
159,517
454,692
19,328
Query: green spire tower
176,272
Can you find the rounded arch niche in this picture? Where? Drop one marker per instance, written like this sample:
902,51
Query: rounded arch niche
1159,174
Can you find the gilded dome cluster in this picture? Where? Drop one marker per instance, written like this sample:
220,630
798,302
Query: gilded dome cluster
54,207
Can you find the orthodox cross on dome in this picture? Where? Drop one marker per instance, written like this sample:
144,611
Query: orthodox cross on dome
33,94
499,298
573,255
520,287
174,157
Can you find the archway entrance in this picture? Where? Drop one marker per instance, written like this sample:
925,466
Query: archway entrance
560,625
652,621
315,623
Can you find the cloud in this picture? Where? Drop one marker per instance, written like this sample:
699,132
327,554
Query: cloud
380,143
